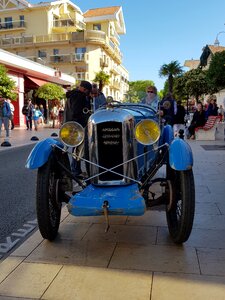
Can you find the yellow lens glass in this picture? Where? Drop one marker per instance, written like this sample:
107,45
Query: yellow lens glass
147,132
71,134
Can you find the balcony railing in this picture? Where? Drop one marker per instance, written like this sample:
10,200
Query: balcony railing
52,38
93,36
115,84
24,40
97,36
68,58
68,23
13,25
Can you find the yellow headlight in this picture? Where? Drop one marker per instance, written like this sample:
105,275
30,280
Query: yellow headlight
71,134
147,132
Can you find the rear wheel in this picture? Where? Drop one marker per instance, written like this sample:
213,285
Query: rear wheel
180,211
48,205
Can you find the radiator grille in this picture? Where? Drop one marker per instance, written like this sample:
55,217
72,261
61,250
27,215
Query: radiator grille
110,149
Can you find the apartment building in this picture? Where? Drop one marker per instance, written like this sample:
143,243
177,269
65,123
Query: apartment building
57,34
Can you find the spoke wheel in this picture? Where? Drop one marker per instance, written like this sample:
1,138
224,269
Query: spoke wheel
180,213
48,206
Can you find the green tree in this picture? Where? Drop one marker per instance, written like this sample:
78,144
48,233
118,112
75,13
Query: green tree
50,91
170,71
137,90
7,85
192,83
216,72
102,79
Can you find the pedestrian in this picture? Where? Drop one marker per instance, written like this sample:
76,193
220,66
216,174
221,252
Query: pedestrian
43,113
199,119
179,119
168,109
61,113
29,117
12,108
221,113
36,116
54,115
98,98
151,98
212,109
5,115
77,102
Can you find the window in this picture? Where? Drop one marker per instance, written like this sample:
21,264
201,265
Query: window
79,53
22,22
42,54
8,22
80,50
56,55
96,26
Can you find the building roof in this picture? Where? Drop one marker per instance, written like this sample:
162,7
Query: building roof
215,49
97,12
192,63
207,51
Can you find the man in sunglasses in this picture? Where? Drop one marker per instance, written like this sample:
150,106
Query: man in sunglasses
151,97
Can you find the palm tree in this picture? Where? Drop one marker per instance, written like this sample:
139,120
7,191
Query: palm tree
102,79
171,70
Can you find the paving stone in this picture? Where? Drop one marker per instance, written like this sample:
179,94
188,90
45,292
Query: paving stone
29,280
85,283
187,287
87,253
155,258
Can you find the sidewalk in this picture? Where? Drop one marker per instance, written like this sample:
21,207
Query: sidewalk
21,136
136,258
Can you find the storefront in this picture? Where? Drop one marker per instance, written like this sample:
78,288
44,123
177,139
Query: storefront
28,76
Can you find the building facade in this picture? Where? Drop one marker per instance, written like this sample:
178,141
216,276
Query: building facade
28,76
59,35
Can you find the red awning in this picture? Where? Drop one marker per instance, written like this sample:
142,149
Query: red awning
37,81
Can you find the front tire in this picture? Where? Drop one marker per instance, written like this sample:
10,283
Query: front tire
48,206
180,213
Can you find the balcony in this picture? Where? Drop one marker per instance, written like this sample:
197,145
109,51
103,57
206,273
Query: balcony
115,84
68,58
13,25
115,37
115,70
62,25
21,41
16,41
98,37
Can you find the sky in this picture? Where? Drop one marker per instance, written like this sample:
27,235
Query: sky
161,31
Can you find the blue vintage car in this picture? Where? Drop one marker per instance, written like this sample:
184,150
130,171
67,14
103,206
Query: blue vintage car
124,148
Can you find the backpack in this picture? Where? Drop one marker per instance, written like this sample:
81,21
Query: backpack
25,110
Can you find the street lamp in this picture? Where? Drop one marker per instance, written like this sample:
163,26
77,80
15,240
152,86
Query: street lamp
217,43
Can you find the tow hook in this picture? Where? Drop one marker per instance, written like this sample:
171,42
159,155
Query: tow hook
105,207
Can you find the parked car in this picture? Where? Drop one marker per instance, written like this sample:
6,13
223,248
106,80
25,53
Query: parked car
124,147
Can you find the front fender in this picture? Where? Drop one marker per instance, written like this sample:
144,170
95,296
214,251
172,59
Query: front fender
167,134
40,153
180,155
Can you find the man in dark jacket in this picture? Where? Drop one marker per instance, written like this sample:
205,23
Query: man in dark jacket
178,120
77,101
